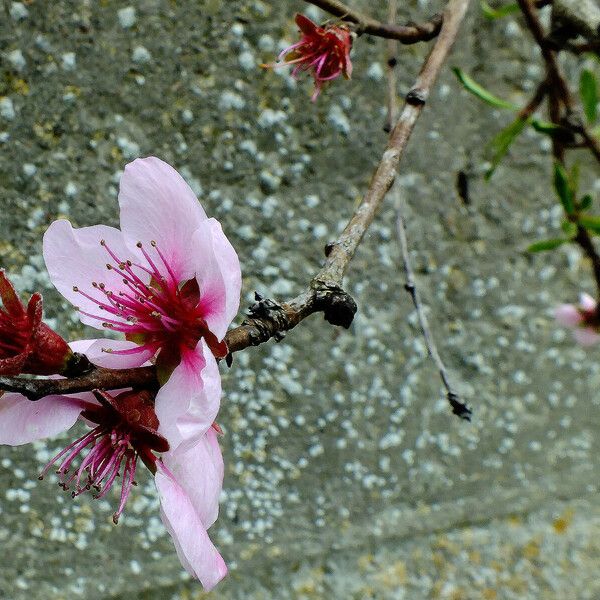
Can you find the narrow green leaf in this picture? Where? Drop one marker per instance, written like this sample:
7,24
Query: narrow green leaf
498,13
588,90
563,190
543,245
501,142
586,202
545,127
590,222
472,86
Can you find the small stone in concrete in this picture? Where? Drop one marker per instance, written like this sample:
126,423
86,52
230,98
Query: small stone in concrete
17,60
127,17
7,109
18,11
141,55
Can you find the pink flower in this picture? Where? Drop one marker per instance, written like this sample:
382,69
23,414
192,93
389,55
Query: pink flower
27,344
325,51
124,430
583,319
168,279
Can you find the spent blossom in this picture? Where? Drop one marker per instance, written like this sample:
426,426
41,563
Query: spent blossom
169,280
324,51
583,319
124,430
27,344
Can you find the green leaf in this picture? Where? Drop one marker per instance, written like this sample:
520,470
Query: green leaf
588,90
501,142
545,126
546,245
497,13
472,86
590,222
563,190
569,228
586,202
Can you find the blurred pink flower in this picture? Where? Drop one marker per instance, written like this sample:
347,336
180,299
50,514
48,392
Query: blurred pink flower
168,279
583,320
125,428
324,51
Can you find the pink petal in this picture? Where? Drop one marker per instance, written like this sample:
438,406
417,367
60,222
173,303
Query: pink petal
188,403
586,336
199,471
219,276
97,353
567,315
158,205
24,421
586,302
305,25
196,552
75,257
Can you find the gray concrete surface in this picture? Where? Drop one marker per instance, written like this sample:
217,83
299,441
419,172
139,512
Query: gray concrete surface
346,476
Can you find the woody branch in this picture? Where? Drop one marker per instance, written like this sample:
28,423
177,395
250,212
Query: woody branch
267,318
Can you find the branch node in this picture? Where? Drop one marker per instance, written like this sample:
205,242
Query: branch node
416,97
338,306
459,408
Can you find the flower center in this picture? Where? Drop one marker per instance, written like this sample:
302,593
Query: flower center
109,450
153,309
126,430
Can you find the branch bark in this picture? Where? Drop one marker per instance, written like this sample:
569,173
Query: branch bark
267,318
405,34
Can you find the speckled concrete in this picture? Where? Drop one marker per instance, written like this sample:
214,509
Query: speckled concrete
346,476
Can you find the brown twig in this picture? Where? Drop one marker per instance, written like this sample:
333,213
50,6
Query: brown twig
405,34
391,61
458,407
270,319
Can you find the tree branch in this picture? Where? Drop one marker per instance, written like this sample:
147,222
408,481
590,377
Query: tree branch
405,34
267,318
458,407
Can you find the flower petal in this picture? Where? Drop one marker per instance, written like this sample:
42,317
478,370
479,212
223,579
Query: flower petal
117,354
199,471
586,336
567,315
158,205
306,26
24,421
195,550
586,302
219,276
187,404
75,257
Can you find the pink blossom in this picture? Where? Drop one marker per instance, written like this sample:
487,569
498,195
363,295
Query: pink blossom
27,344
324,51
168,279
124,429
583,320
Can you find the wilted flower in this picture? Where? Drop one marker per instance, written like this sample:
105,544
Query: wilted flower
169,280
125,429
27,344
584,319
324,51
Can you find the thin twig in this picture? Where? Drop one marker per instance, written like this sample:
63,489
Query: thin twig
391,61
458,407
405,34
270,319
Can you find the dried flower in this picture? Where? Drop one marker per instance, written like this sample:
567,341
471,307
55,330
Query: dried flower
324,51
27,344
